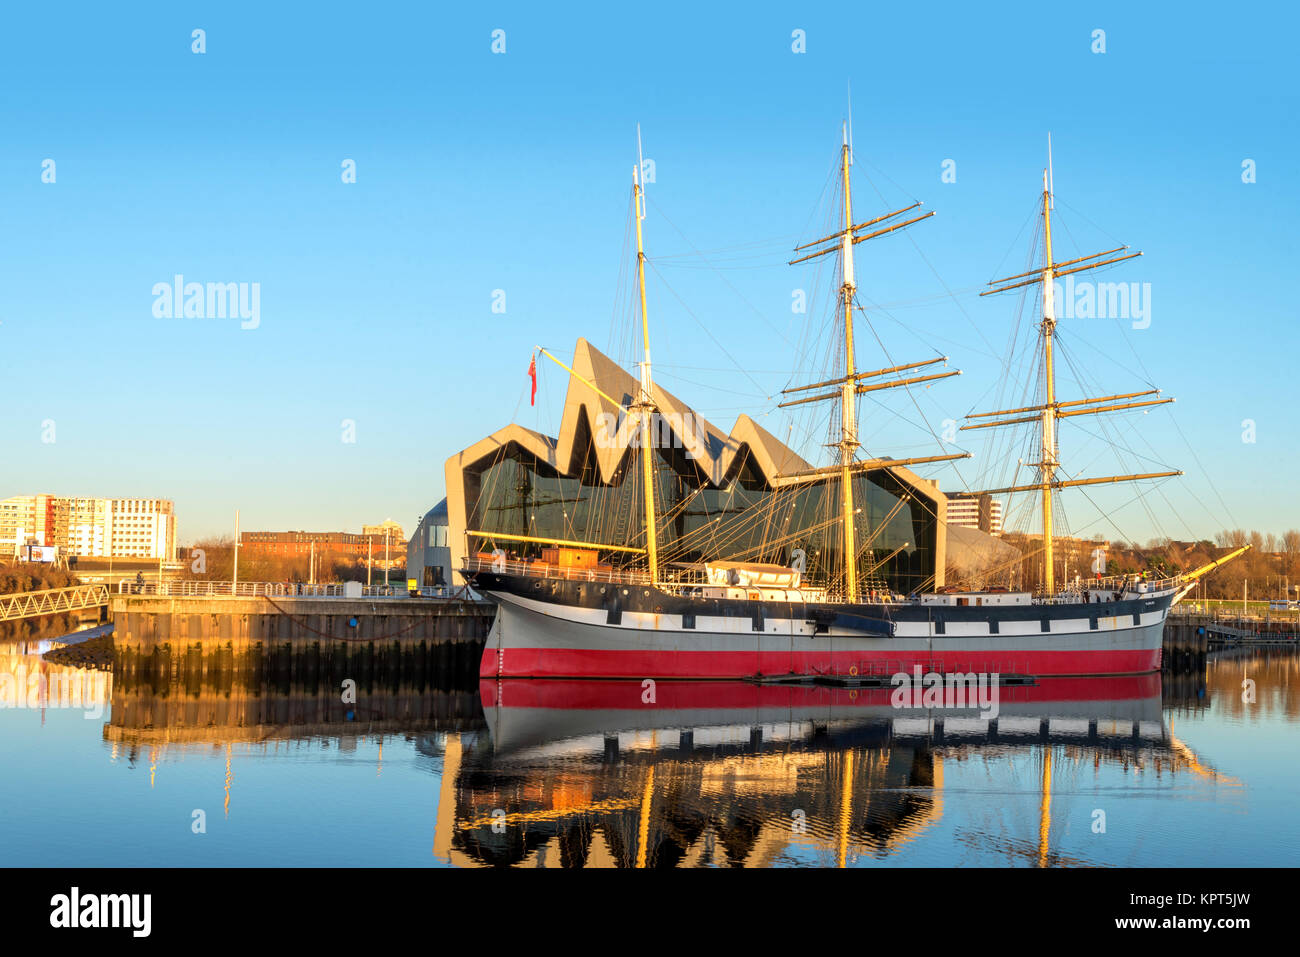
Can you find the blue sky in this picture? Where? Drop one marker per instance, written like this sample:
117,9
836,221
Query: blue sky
479,171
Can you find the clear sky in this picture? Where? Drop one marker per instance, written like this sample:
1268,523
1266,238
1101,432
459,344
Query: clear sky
479,171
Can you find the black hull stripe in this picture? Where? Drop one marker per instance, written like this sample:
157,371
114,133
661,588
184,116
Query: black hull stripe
874,619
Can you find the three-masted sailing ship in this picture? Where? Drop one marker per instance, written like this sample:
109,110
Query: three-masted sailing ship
574,617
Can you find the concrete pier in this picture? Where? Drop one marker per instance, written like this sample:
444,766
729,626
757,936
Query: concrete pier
1188,638
320,634
1184,645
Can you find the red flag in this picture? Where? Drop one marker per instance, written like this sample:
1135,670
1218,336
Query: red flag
532,374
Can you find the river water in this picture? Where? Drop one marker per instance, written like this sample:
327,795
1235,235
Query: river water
215,770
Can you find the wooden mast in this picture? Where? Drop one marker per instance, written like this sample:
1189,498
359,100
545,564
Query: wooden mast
1050,411
646,404
851,384
1047,455
848,403
643,406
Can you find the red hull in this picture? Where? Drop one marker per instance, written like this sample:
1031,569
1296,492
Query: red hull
633,663
615,695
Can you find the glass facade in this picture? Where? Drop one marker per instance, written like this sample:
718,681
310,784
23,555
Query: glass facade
742,520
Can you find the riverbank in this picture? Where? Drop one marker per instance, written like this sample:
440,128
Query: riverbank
96,653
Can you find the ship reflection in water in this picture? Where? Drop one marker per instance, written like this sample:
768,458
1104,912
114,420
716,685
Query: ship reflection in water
419,770
589,773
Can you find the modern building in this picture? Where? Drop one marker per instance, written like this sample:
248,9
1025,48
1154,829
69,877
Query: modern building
89,527
982,512
718,495
428,559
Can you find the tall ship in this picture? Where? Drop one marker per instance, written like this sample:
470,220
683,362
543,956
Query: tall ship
645,543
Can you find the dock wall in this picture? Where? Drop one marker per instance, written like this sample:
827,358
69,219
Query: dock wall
320,636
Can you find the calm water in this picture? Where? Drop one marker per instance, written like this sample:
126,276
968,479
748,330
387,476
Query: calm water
105,770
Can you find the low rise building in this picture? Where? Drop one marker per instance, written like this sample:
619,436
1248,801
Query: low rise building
293,544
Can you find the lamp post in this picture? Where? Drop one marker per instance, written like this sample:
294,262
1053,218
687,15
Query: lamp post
234,584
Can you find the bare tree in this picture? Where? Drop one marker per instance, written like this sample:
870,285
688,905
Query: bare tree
1290,553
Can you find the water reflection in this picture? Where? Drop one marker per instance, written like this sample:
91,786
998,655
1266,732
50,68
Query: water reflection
698,774
226,709
721,773
1271,675
28,681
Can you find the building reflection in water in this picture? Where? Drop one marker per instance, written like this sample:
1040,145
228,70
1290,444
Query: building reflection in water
199,708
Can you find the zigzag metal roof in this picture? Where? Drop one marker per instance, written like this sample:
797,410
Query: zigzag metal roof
715,453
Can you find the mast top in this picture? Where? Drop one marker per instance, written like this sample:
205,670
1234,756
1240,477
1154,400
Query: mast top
1049,185
848,131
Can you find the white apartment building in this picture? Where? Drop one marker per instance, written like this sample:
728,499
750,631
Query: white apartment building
387,528
25,519
84,524
89,527
981,512
142,528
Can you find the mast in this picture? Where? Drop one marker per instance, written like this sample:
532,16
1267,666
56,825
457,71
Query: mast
852,383
646,404
1047,462
848,424
1047,414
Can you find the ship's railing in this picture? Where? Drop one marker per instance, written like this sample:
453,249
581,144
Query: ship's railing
1125,582
548,570
1121,584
